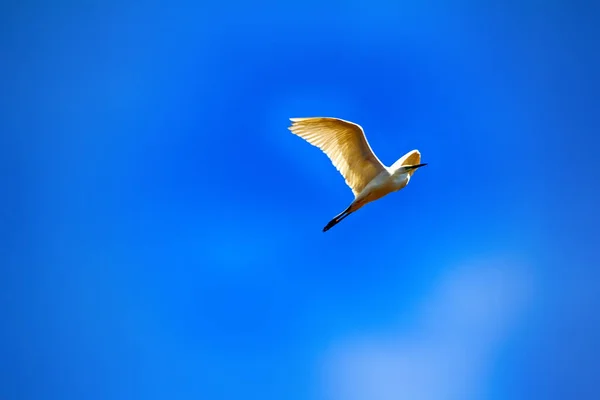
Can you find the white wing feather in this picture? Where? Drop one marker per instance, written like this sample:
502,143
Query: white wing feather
346,146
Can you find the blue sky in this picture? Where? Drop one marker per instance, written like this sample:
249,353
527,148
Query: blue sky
162,228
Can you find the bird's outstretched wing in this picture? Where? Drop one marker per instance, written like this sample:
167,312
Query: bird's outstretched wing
346,146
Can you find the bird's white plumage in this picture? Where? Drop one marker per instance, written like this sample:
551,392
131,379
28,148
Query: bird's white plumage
346,146
413,157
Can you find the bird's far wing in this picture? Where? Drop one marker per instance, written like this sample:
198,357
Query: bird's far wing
346,146
413,157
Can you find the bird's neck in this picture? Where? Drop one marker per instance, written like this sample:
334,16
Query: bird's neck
400,176
397,165
397,169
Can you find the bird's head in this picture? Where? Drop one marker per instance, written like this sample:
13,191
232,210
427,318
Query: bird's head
408,163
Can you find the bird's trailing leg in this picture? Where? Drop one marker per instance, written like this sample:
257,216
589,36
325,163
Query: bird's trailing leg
338,218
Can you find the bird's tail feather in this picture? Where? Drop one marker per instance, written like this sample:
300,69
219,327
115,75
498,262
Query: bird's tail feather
337,219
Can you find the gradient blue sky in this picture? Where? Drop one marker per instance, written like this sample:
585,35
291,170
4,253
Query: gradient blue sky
161,228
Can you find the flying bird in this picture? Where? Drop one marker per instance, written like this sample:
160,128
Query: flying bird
346,146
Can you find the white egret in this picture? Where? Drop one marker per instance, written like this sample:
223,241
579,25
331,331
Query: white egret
346,146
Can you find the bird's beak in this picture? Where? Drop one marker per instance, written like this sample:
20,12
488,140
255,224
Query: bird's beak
409,167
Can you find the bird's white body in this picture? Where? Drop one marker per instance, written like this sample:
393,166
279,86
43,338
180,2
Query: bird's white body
346,146
384,183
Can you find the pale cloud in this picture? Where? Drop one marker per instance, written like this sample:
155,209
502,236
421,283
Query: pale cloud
446,353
